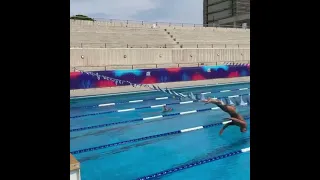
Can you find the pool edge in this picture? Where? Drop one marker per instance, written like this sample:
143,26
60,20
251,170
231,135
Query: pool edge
94,92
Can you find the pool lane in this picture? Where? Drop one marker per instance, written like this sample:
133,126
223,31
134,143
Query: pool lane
160,154
106,110
232,168
149,95
137,159
131,115
108,135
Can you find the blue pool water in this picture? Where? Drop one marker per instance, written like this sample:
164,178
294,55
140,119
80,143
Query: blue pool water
144,157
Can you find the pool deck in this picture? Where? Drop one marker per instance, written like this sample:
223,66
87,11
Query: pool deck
74,164
123,89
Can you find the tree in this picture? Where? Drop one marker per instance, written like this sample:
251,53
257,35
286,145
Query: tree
81,17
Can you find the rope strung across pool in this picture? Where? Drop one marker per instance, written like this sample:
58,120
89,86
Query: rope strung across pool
142,119
151,137
242,103
190,165
158,98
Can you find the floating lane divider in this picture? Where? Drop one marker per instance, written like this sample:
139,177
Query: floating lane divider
158,98
151,137
145,107
190,165
141,119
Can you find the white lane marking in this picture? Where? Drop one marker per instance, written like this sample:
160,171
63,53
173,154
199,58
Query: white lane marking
186,102
245,149
225,91
160,105
153,117
191,129
124,110
225,122
215,108
188,112
110,104
161,98
233,96
243,89
135,101
206,93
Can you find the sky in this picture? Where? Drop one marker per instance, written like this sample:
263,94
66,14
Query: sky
176,11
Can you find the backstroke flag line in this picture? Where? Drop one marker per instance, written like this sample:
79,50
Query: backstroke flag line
167,90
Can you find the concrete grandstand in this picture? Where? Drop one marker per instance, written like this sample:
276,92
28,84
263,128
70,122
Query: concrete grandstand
98,45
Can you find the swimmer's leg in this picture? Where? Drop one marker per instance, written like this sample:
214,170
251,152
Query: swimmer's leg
224,107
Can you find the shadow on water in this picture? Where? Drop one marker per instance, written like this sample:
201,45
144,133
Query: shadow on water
118,130
100,132
124,149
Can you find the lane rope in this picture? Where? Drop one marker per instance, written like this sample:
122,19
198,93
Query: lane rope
142,119
151,137
160,105
190,165
150,99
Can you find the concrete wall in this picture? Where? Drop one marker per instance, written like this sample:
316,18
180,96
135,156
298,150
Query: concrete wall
100,79
75,175
220,6
134,56
213,1
219,15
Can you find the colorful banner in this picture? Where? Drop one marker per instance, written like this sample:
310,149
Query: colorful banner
143,77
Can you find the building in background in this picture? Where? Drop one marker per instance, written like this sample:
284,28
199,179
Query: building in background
232,13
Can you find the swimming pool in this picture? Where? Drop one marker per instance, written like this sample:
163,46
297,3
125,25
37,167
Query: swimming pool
128,137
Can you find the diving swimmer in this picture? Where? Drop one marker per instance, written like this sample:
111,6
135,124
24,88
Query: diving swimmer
236,118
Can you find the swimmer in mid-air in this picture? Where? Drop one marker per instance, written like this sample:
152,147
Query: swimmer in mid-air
236,118
166,108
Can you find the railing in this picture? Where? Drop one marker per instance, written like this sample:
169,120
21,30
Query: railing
115,45
164,24
215,46
134,66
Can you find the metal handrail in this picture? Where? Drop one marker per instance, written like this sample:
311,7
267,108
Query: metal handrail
105,45
169,24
